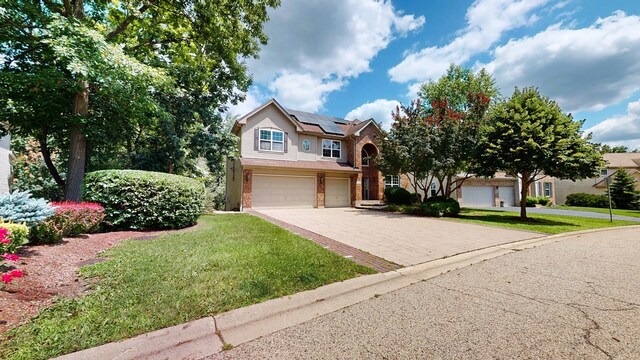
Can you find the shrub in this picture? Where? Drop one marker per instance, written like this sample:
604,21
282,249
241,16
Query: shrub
145,200
588,200
531,201
399,196
69,219
15,235
440,206
543,200
20,207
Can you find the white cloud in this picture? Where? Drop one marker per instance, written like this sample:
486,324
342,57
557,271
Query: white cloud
303,91
487,21
253,99
620,130
583,69
380,110
323,43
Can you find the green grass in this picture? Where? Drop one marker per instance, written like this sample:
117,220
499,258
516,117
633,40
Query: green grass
227,262
543,223
621,212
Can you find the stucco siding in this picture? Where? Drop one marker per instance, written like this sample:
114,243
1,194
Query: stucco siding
269,117
566,187
233,185
5,164
312,154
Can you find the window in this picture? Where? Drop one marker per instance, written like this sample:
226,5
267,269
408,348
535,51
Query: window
365,158
547,189
391,181
306,145
331,148
433,189
271,140
603,172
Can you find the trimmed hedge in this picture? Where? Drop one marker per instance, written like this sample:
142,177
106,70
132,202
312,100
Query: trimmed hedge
399,196
441,206
588,200
142,200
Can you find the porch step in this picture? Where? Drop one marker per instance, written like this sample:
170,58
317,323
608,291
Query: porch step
370,204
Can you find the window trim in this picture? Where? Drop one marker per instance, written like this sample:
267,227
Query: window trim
433,189
365,158
389,183
331,149
544,189
604,172
270,140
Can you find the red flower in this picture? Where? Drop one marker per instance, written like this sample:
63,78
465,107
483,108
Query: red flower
6,278
16,273
4,240
4,232
11,257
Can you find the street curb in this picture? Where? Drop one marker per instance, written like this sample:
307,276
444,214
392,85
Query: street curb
207,336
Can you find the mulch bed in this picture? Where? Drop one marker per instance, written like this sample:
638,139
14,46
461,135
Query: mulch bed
51,270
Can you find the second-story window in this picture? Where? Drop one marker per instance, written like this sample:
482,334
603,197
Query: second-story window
331,148
271,140
365,158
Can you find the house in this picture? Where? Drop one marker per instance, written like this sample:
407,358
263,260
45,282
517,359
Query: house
598,185
290,158
5,163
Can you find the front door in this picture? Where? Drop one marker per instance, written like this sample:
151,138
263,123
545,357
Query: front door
365,189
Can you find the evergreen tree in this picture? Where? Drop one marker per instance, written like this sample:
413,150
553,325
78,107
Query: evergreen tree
623,190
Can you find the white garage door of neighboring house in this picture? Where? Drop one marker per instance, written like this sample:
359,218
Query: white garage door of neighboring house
505,193
270,191
336,193
481,196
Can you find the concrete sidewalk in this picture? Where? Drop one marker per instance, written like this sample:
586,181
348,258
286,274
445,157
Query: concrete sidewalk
208,336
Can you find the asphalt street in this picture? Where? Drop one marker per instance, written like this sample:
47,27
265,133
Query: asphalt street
575,299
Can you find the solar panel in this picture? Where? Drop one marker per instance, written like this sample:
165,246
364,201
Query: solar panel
326,123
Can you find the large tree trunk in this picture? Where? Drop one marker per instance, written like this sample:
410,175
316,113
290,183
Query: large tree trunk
523,195
77,147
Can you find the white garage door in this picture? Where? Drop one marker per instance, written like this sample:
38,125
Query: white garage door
283,191
336,193
505,193
480,196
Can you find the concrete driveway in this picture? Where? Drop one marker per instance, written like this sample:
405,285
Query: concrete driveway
574,299
405,240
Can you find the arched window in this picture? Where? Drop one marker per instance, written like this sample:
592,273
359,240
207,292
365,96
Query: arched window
365,158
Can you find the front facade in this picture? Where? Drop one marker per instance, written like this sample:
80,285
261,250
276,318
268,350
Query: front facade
296,159
598,185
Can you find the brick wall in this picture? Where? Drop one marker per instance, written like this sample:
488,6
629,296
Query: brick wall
247,181
320,194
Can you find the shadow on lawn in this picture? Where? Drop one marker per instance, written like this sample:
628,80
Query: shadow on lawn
490,216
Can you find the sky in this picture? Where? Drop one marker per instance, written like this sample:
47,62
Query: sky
358,59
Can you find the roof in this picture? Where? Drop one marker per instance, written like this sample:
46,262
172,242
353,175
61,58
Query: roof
303,165
328,124
603,181
622,160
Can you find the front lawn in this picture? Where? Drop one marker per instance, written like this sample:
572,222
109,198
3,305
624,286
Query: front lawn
549,224
621,212
227,262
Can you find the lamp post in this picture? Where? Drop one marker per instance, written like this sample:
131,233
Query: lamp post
609,193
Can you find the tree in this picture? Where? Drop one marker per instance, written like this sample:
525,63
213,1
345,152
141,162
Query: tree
456,105
604,148
97,76
624,192
529,137
406,148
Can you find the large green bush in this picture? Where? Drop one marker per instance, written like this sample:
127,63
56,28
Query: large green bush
139,200
398,196
588,200
440,206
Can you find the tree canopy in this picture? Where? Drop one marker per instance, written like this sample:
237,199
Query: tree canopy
129,83
530,137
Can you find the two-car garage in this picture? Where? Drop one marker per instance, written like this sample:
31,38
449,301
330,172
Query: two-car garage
289,191
484,196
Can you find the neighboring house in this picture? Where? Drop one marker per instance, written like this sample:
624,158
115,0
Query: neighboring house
290,158
5,163
544,188
598,185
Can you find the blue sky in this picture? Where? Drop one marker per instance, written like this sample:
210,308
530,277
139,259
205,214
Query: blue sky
359,58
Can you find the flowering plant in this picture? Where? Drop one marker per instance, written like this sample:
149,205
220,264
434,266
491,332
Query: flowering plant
8,276
68,219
